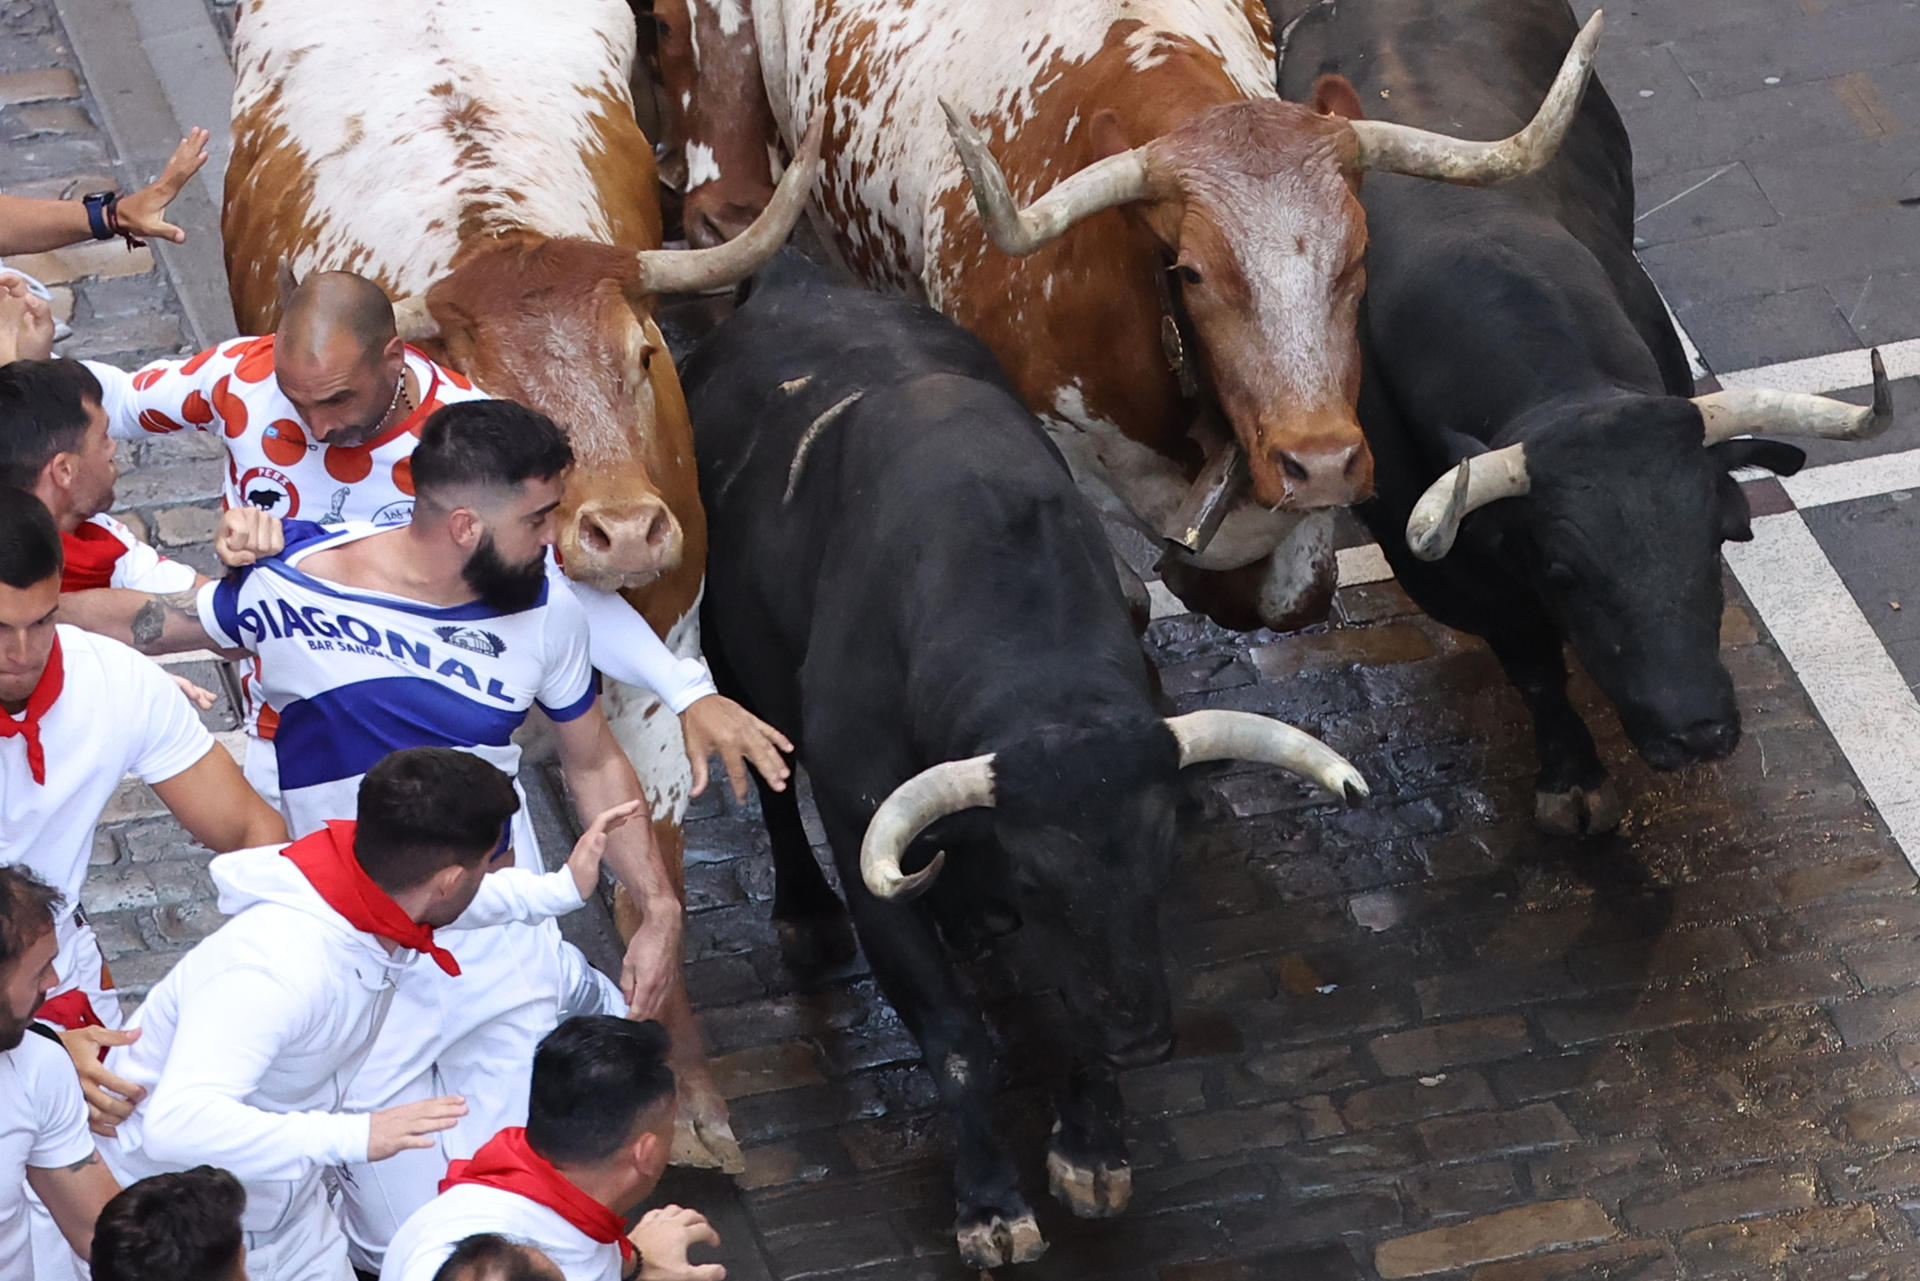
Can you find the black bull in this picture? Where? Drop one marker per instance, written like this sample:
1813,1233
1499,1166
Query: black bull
903,574
1519,315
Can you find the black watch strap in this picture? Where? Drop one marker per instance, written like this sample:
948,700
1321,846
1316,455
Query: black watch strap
97,203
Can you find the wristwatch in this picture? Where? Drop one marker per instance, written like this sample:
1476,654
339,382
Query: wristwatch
100,213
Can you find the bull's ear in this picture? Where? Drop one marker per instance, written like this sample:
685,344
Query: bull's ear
1334,95
1108,135
1781,460
1735,518
284,281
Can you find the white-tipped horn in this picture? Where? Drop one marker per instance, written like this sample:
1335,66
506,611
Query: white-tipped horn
1217,735
693,271
412,321
932,794
1116,180
1466,487
1392,148
1762,412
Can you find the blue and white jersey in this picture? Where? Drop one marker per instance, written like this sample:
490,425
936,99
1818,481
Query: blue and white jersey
356,674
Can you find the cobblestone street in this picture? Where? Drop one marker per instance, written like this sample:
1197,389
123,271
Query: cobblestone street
1417,1039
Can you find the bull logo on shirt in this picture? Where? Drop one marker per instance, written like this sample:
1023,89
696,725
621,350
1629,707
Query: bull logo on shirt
474,639
270,491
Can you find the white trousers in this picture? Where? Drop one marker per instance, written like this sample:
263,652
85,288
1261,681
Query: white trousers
306,1245
473,1036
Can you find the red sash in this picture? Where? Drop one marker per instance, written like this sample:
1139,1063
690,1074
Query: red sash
326,859
506,1162
45,691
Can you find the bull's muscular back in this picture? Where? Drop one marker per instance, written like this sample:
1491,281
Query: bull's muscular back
1077,323
376,137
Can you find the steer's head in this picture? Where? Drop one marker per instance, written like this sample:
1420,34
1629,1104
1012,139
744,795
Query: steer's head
1255,205
1614,513
566,327
563,327
1086,816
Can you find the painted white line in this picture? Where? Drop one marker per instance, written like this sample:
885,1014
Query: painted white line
1844,668
1164,604
1855,478
1834,372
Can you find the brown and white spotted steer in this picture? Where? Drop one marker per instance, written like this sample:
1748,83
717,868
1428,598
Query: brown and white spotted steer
480,161
1176,212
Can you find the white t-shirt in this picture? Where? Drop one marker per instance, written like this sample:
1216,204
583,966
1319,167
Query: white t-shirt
426,1239
43,1123
104,553
355,674
118,713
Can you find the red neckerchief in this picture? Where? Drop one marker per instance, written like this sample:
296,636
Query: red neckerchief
71,1010
45,691
326,859
506,1162
91,553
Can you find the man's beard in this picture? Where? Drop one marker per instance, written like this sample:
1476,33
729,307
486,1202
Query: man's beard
500,586
12,1030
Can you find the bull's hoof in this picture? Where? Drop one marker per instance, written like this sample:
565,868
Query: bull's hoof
703,1137
999,1242
1090,1192
1579,811
813,943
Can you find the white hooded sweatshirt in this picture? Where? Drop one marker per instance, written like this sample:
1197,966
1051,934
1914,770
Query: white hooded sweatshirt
247,1044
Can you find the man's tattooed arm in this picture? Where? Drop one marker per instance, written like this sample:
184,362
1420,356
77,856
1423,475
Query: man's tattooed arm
151,622
167,623
91,1158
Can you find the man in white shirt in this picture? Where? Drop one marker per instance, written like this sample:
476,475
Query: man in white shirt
44,1143
78,713
599,1128
247,1045
447,630
320,420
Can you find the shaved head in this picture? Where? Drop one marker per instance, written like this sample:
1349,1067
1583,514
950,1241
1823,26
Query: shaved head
329,307
338,358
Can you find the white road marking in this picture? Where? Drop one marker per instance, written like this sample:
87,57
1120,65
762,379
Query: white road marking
1836,371
1844,668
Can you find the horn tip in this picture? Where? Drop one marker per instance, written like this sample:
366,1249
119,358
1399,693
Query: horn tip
1882,394
1354,790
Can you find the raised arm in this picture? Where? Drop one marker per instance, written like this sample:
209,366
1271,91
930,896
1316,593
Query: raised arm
29,225
625,647
601,778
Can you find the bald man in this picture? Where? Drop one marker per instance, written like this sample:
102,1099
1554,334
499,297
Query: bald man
320,419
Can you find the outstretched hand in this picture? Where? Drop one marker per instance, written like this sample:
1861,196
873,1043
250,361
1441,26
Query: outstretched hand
26,321
718,724
584,862
143,214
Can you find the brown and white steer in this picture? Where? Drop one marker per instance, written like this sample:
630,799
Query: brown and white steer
716,113
480,161
1215,221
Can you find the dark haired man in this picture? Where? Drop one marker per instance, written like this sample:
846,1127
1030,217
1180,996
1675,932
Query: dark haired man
448,630
173,1227
44,1144
54,444
488,1256
247,1045
79,712
599,1126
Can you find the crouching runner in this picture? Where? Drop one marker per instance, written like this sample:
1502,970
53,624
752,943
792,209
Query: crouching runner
247,1045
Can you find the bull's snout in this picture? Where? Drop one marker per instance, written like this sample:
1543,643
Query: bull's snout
1302,477
1708,739
633,539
